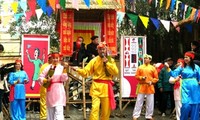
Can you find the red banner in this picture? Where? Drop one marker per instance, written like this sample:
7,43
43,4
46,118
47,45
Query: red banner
67,32
110,30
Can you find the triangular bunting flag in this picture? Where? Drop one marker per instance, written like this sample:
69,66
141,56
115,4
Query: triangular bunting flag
6,20
185,9
120,16
122,3
161,2
52,3
145,20
168,4
188,12
39,13
166,24
198,16
87,2
156,3
17,16
32,6
23,5
175,25
189,18
14,6
173,2
42,4
195,16
49,11
75,4
62,3
133,17
28,15
99,2
177,4
156,22
192,15
5,7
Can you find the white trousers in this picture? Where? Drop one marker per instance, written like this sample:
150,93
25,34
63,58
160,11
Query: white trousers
178,105
139,104
55,113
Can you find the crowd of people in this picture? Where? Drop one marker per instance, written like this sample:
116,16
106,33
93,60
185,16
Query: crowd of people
179,85
53,75
175,85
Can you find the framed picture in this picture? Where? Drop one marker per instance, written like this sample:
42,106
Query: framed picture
131,57
35,49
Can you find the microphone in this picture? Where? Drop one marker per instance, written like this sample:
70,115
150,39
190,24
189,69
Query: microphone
102,55
106,71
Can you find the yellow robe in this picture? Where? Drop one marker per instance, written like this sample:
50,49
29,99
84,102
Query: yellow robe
43,110
99,91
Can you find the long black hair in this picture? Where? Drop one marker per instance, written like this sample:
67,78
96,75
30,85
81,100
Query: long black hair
6,69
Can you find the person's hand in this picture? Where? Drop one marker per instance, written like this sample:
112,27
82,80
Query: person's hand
25,81
144,78
178,78
105,59
65,64
178,64
161,89
150,82
18,81
166,64
93,56
48,78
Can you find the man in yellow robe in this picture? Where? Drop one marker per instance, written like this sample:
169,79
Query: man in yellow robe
43,110
102,68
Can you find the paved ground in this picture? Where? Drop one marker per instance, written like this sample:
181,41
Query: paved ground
75,114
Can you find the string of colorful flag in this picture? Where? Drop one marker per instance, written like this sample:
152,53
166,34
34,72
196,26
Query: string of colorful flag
33,10
190,14
156,22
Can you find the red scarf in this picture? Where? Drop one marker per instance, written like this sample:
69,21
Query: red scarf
110,92
176,84
12,92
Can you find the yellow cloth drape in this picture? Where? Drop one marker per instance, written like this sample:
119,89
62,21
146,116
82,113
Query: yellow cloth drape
105,110
43,109
86,36
87,30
